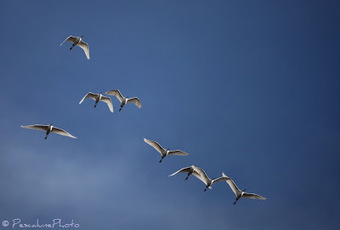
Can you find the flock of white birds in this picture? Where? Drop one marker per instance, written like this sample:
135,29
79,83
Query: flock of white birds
191,170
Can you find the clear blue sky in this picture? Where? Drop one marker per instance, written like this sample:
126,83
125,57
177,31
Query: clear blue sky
250,88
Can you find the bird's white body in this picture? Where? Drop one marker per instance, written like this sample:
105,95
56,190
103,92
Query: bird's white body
164,152
78,41
124,100
98,97
48,129
241,193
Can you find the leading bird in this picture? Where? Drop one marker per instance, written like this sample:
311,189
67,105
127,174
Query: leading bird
49,129
77,41
241,193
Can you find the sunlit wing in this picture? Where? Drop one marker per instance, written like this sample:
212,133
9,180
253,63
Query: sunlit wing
182,170
135,101
69,39
117,94
36,127
155,145
89,95
178,153
200,174
222,178
253,196
233,187
85,47
108,101
62,132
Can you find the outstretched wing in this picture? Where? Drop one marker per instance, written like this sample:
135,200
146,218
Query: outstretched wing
116,93
233,187
108,101
201,175
36,127
182,170
253,196
69,39
135,101
85,47
62,132
222,178
89,95
155,145
178,153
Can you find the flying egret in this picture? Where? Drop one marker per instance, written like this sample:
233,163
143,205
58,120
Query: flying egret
190,170
164,152
49,128
77,41
124,100
241,193
97,98
201,175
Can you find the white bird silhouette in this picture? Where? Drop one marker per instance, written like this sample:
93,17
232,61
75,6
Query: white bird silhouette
77,41
97,98
190,170
241,193
164,152
201,175
49,128
124,100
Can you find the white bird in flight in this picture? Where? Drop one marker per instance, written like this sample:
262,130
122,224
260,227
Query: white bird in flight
49,128
241,193
190,170
201,175
97,98
164,152
77,41
124,100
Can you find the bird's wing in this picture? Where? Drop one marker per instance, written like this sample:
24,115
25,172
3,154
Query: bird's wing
178,153
186,169
36,127
155,145
200,174
89,95
222,178
135,101
108,101
116,93
69,39
253,196
85,47
62,132
233,187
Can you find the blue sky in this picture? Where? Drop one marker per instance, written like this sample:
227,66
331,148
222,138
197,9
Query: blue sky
250,88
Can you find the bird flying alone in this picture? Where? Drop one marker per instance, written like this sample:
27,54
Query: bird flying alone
241,193
124,100
77,41
49,129
97,98
164,152
202,176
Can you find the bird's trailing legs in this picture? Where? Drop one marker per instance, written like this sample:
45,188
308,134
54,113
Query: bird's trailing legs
160,161
120,108
72,46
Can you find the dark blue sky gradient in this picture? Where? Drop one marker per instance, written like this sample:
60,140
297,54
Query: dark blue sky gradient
250,88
